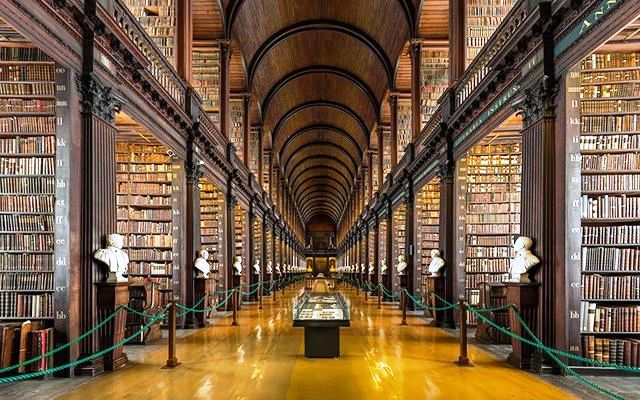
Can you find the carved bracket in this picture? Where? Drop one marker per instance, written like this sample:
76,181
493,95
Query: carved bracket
97,99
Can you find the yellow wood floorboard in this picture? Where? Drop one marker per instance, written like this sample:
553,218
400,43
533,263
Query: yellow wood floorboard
263,359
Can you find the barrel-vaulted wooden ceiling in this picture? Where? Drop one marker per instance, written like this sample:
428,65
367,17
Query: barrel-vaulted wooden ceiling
319,72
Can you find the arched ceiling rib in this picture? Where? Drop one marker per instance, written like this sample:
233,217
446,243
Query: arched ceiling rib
319,71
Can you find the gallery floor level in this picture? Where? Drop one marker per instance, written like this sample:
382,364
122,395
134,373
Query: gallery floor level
172,168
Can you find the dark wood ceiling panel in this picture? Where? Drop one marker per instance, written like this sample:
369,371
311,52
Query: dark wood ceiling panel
237,70
434,20
403,71
207,20
295,142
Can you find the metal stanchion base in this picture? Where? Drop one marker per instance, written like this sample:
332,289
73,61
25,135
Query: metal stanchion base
171,363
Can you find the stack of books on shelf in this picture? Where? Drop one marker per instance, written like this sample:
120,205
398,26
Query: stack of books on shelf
158,18
404,126
428,210
236,121
386,152
435,80
205,69
610,156
211,226
483,18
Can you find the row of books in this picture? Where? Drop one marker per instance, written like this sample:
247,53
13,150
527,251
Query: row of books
606,106
27,124
144,188
616,351
144,158
495,208
493,197
611,162
597,318
475,240
26,281
473,280
610,206
27,166
611,60
491,252
26,241
25,89
587,78
18,222
610,259
142,200
491,153
145,177
26,262
493,229
27,185
610,123
622,182
474,189
20,54
150,268
487,218
144,227
26,72
27,203
24,341
493,169
22,305
473,265
122,167
149,240
625,287
149,254
610,90
610,142
623,234
12,105
504,178
28,145
153,214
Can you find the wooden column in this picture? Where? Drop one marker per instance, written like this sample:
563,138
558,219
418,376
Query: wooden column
393,103
380,132
376,250
260,168
388,280
457,11
415,51
225,60
413,282
246,104
185,39
251,243
370,174
447,229
231,203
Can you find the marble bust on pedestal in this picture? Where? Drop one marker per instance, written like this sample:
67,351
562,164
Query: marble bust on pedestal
401,267
383,267
437,263
237,266
256,267
269,267
116,260
202,265
372,268
523,261
278,271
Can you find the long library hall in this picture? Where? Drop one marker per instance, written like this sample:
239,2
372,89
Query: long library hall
302,199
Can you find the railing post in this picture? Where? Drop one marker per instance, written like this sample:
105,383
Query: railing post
357,288
172,360
463,360
234,299
366,292
260,295
274,289
379,296
403,299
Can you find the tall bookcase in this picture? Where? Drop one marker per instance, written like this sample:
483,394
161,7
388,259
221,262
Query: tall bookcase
212,225
399,240
482,19
236,121
435,80
158,18
489,187
266,173
253,152
609,149
240,245
34,189
404,125
428,223
386,152
148,192
257,250
205,67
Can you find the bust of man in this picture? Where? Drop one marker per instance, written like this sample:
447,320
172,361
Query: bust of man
237,266
256,267
363,269
372,268
278,271
383,267
437,263
202,265
269,267
116,260
401,267
523,261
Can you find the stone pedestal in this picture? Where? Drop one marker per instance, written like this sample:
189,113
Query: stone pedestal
436,284
525,298
110,297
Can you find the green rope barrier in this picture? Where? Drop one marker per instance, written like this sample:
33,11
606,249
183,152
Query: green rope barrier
140,313
84,359
389,293
493,309
422,305
563,365
249,293
205,310
64,346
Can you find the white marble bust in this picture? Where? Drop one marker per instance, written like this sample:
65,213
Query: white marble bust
202,265
278,271
437,263
256,267
523,261
237,266
269,267
383,267
116,260
401,267
372,268
362,268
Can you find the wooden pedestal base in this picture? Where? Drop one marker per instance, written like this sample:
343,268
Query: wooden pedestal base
201,288
110,297
436,284
525,298
90,368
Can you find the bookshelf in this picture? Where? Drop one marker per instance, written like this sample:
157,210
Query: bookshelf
266,173
241,234
482,19
236,121
404,125
435,80
428,223
268,236
399,240
386,152
205,69
383,228
253,152
212,225
158,18
609,149
146,188
257,252
489,187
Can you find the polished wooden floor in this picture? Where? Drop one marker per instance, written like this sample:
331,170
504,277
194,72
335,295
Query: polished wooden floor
263,359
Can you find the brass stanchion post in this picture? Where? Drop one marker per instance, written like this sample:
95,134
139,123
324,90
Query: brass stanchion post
234,299
260,295
379,296
463,360
172,360
403,299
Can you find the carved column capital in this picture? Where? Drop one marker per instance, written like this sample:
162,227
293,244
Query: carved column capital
538,102
193,170
393,100
98,99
